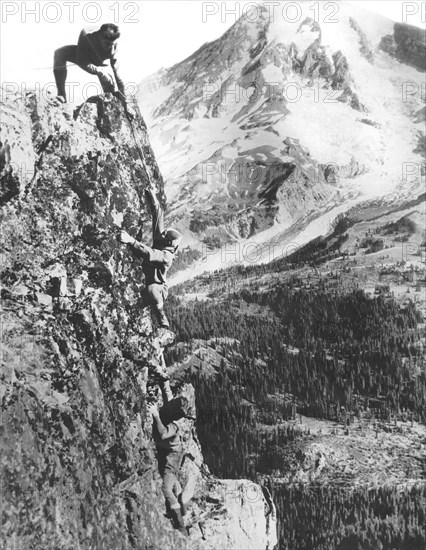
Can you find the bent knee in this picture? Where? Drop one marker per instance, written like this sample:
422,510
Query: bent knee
64,54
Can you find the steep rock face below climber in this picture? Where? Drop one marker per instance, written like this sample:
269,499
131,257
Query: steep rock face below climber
78,467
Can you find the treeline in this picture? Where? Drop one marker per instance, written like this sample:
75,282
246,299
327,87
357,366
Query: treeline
313,254
290,350
234,432
346,346
403,225
310,517
329,517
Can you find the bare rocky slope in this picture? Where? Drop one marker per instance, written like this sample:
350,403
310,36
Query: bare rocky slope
78,467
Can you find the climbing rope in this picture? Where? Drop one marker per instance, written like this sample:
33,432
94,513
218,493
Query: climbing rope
145,166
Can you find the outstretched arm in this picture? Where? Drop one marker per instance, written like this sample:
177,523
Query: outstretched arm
161,257
157,214
120,83
139,248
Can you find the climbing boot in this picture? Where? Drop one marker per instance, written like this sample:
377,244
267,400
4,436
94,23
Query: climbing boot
159,371
164,337
168,513
163,322
178,521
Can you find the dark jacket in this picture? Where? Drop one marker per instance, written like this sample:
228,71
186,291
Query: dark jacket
167,438
156,262
92,54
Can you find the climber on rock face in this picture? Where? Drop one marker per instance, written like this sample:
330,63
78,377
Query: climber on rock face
166,434
91,54
156,260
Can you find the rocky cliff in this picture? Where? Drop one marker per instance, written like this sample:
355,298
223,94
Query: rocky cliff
78,466
407,43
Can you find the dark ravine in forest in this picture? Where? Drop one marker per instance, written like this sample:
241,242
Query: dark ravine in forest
78,467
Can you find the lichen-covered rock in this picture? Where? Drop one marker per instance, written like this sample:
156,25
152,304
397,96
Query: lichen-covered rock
78,467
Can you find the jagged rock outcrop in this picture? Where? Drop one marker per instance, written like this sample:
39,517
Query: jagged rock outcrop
364,44
78,464
408,44
420,115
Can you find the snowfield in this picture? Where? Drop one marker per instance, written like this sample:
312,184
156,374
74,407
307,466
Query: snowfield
238,101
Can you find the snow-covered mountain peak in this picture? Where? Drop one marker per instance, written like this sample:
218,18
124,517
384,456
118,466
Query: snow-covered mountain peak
287,117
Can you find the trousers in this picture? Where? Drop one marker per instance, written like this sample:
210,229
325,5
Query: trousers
168,466
69,54
154,295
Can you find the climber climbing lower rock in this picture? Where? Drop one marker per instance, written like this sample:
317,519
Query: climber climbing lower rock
156,259
170,452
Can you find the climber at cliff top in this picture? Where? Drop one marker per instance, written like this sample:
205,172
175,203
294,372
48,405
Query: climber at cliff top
91,54
167,439
156,260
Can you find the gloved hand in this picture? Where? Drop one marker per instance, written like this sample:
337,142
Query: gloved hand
125,238
105,75
120,96
152,408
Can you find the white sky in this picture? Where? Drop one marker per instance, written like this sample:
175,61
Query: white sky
154,33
